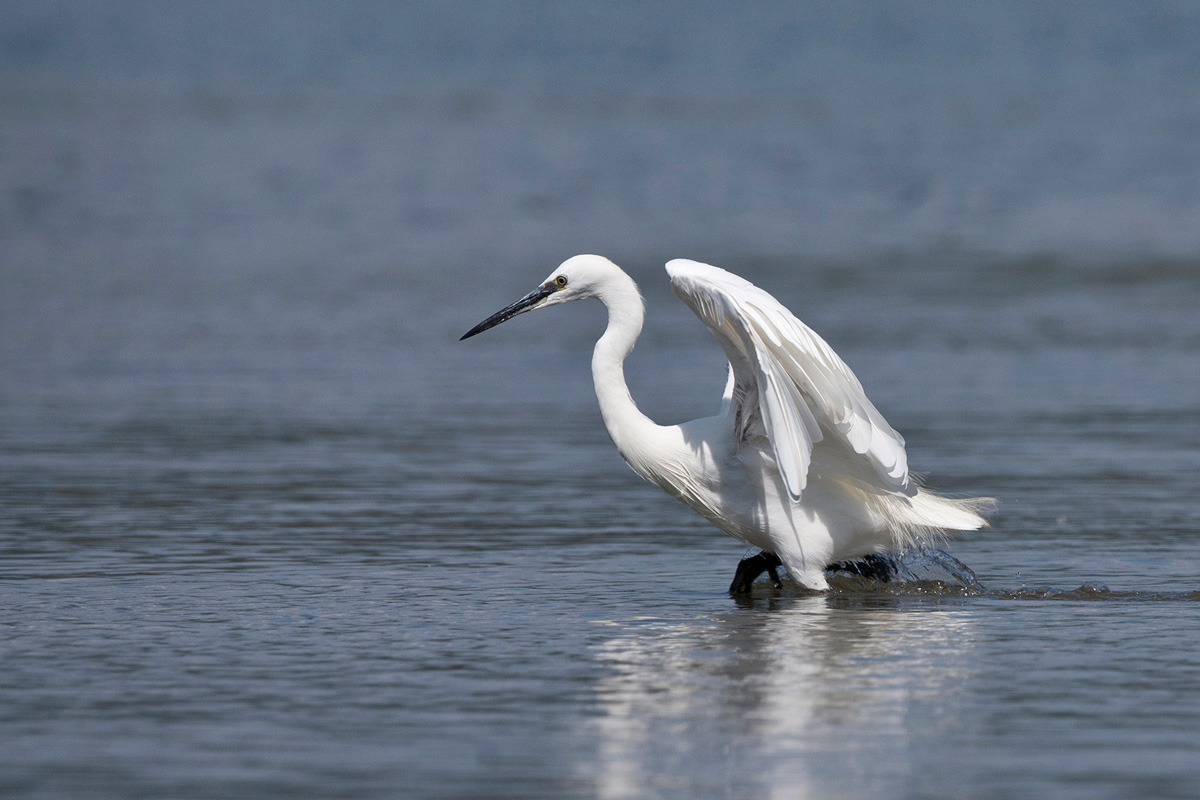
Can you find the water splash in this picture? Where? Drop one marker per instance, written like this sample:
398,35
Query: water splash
935,573
911,571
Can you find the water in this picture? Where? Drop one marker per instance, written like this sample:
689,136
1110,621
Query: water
268,529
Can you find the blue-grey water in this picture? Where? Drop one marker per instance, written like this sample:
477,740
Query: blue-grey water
267,529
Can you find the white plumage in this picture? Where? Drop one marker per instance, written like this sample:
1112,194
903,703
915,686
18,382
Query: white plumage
786,378
797,462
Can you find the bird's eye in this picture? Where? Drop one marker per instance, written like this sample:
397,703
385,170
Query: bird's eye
560,281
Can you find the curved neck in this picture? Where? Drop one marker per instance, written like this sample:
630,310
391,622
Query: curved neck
628,427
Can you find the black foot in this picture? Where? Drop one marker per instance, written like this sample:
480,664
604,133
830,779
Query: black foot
748,570
876,566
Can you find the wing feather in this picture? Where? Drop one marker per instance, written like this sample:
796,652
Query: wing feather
802,389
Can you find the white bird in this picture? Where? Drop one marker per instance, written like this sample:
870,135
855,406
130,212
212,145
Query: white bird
798,462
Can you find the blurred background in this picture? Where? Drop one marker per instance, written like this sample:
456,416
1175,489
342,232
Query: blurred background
240,240
187,186
225,161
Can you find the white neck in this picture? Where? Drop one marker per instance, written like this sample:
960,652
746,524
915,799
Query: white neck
629,428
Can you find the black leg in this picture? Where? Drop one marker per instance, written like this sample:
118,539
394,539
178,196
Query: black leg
748,570
877,566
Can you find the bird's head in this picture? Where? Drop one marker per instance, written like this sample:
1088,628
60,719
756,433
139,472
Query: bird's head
575,279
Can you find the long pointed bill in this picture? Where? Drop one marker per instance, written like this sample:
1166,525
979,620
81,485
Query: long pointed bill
526,303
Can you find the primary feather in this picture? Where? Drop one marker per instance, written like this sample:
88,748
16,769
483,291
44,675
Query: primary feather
787,374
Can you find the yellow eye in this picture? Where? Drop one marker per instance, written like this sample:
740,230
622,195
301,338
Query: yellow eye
560,281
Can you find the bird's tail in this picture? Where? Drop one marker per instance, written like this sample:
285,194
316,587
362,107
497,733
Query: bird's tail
929,510
916,520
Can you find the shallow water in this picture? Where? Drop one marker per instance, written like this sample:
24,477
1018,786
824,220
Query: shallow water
268,529
330,562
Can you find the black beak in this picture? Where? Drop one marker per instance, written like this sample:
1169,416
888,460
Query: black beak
520,307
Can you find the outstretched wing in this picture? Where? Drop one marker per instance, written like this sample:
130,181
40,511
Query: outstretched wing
786,382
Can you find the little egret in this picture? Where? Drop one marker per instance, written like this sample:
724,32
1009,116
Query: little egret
798,462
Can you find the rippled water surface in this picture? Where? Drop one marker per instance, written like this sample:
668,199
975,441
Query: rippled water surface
268,529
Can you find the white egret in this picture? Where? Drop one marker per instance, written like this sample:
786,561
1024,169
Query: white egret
798,462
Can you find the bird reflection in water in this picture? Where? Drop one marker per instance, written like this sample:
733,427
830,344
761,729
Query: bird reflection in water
789,696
